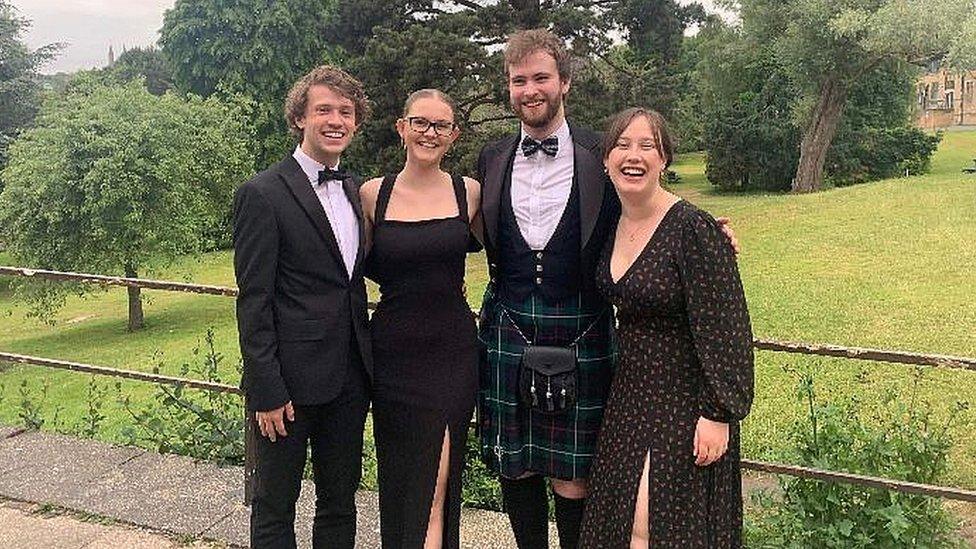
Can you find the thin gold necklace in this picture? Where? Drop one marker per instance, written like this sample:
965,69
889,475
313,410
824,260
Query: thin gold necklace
633,234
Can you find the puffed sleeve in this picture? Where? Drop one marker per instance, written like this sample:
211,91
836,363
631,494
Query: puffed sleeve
718,317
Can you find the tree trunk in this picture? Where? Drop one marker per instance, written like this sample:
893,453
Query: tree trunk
818,136
135,302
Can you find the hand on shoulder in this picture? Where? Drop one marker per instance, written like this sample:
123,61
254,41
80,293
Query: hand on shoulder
473,188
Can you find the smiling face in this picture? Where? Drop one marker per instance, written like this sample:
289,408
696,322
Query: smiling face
536,92
635,161
327,125
427,147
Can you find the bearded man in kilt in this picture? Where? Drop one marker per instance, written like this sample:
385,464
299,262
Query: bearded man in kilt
548,207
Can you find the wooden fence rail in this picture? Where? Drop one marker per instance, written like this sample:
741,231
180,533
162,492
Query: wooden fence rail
762,466
856,353
817,349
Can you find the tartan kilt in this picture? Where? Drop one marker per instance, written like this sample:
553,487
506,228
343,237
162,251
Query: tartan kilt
514,438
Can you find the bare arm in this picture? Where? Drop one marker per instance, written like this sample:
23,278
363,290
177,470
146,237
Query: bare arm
473,188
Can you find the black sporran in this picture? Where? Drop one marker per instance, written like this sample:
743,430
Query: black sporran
547,378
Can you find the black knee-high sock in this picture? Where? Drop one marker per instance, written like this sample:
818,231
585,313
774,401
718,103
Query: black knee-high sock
528,509
569,518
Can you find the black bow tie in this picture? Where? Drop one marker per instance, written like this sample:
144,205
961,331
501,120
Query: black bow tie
549,146
328,174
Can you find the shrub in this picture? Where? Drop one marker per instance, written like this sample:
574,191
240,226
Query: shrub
901,441
202,424
480,487
879,153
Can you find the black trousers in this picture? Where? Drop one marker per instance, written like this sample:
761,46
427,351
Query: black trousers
335,430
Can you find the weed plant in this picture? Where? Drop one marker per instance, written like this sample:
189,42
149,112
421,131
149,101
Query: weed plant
898,440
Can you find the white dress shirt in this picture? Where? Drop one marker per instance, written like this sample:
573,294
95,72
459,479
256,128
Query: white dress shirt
541,185
342,217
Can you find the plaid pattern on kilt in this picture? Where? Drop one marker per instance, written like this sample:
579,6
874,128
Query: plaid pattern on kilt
514,438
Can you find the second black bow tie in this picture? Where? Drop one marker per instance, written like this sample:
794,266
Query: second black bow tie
328,174
549,146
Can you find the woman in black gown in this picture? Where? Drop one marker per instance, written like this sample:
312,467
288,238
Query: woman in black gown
684,379
424,337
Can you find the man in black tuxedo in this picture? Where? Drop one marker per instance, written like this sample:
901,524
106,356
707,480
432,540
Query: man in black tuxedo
301,313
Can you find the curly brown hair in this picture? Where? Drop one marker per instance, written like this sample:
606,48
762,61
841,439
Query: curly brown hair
524,43
620,121
336,79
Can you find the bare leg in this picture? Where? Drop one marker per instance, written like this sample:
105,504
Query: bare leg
640,536
435,525
569,489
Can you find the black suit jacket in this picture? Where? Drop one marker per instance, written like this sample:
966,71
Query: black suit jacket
298,313
599,205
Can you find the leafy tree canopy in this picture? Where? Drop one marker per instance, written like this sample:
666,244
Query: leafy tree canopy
251,47
397,46
115,180
19,89
147,63
826,46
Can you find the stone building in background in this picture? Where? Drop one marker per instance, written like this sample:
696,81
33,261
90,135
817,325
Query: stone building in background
944,99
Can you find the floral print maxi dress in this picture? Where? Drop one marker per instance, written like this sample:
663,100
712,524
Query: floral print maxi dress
685,351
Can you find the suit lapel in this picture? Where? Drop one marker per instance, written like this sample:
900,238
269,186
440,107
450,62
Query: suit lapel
301,189
495,173
351,188
592,184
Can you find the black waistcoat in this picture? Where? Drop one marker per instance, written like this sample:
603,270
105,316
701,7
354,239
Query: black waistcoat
553,273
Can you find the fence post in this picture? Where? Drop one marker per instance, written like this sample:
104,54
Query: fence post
250,457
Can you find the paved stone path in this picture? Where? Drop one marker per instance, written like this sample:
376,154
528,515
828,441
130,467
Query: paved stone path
32,526
164,493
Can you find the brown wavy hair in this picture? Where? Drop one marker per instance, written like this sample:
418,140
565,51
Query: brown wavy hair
524,43
336,79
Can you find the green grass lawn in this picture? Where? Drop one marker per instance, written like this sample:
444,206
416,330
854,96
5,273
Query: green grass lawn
889,264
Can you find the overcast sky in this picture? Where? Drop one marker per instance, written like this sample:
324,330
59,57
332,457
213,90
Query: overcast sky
89,27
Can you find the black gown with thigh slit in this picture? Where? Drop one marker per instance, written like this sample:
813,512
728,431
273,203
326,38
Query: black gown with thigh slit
685,351
425,366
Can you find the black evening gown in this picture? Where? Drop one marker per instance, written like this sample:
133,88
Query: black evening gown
425,366
685,350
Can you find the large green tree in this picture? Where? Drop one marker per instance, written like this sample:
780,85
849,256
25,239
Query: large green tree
252,47
147,63
115,180
748,102
827,46
398,46
19,88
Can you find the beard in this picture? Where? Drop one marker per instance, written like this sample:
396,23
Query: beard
542,119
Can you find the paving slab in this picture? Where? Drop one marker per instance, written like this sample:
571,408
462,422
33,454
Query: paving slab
21,530
481,529
46,467
174,494
25,526
167,492
234,527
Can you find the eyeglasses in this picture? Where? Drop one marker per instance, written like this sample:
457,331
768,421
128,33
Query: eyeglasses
420,124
